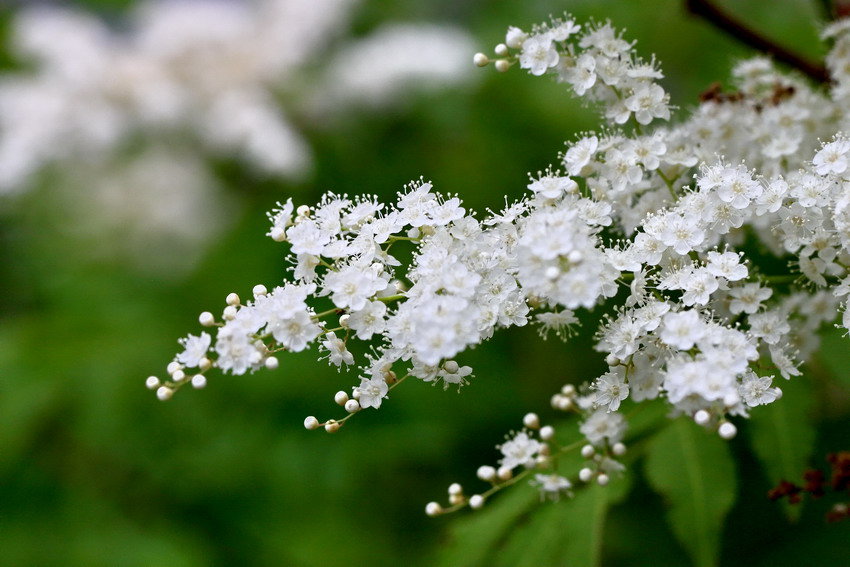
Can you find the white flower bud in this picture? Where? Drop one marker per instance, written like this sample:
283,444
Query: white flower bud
480,60
229,312
515,37
552,272
352,406
727,430
702,417
588,451
505,473
310,422
451,367
332,426
164,393
486,473
455,488
502,65
612,360
205,364
302,211
433,509
585,474
178,376
547,433
199,381
501,50
271,363
602,479
568,390
259,290
340,398
232,299
343,320
413,233
173,367
278,234
619,449
206,319
476,501
152,383
531,420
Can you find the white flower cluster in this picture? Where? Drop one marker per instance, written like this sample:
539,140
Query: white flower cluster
661,223
211,71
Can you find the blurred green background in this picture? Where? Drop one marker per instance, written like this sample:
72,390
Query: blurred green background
95,471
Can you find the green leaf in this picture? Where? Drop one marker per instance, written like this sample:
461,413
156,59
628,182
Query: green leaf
694,472
517,530
782,435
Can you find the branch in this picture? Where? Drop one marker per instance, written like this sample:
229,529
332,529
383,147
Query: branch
707,10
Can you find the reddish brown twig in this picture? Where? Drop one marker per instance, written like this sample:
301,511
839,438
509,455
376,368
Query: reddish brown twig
707,10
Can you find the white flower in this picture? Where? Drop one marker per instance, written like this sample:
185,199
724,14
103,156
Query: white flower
551,485
369,320
371,391
337,352
195,348
603,425
755,390
832,158
538,54
682,329
520,450
611,388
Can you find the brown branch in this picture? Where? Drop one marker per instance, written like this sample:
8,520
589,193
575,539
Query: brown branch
707,10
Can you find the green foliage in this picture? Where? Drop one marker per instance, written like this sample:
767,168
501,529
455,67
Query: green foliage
783,434
693,470
517,530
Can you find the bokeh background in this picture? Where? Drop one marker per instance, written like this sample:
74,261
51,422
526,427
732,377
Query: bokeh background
105,260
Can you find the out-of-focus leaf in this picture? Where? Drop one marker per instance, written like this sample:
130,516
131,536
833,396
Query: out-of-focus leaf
783,434
694,472
520,531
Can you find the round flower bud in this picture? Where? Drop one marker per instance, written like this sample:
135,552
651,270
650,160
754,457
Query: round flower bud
352,406
205,364
480,60
552,272
229,312
568,390
588,451
585,474
343,320
501,50
259,290
727,430
413,233
199,381
455,488
612,360
332,426
152,383
178,376
547,433
778,392
702,417
456,499
504,473
476,501
172,367
618,449
602,479
531,420
278,234
232,299
575,256
486,473
451,367
271,363
302,211
340,398
433,509
164,393
206,319
565,403
502,65
310,422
